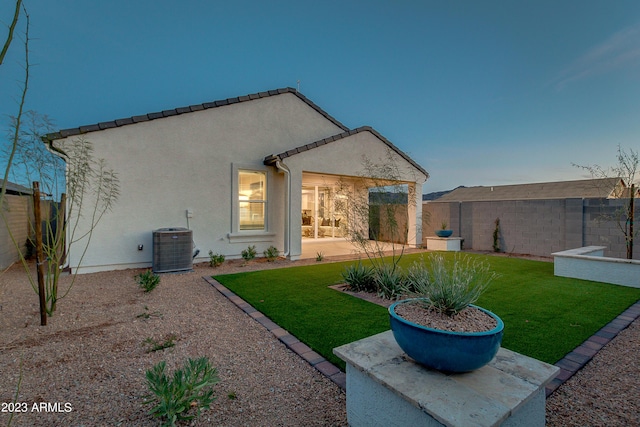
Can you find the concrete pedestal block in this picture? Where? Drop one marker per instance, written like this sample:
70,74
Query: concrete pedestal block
443,243
387,388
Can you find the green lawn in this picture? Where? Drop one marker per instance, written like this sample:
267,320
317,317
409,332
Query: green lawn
545,316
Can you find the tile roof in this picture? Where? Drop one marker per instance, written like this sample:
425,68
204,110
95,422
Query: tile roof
587,188
184,110
271,159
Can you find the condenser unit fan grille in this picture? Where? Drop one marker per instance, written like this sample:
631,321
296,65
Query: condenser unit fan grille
172,250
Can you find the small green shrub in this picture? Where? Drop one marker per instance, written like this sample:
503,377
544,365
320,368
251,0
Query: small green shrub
147,315
359,278
496,236
154,345
319,256
174,396
389,281
450,286
249,253
271,253
148,280
215,260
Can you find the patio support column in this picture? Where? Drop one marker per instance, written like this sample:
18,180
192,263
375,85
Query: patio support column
295,217
414,220
287,206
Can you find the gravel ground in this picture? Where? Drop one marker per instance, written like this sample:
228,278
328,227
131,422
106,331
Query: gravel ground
92,356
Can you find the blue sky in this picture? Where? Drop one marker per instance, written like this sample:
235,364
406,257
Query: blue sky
477,92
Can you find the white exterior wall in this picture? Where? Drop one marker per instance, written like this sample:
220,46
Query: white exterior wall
169,165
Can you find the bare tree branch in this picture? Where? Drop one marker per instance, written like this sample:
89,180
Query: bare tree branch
627,170
12,27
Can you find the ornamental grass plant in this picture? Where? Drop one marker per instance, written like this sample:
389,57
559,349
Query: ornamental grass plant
449,284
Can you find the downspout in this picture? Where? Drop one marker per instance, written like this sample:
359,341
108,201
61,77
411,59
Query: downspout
287,203
48,141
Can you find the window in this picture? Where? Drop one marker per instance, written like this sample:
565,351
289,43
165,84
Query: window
252,198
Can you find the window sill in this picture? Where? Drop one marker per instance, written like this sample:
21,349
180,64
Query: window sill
250,236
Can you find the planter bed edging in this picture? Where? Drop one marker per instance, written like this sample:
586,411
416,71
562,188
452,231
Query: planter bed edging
588,263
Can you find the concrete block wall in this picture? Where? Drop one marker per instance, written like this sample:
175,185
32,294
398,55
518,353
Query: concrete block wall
432,220
17,210
535,227
607,233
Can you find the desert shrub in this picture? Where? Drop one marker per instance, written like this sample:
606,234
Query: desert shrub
175,396
449,286
147,315
496,236
216,259
148,280
154,345
319,256
389,281
271,253
249,253
359,278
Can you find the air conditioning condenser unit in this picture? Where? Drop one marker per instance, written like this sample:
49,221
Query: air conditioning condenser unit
172,250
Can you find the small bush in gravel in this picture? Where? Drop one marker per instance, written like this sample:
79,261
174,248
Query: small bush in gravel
154,345
175,396
319,256
148,280
271,253
249,253
215,260
359,278
147,315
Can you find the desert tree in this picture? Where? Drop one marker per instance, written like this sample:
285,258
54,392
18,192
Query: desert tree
92,187
626,170
379,199
13,138
19,11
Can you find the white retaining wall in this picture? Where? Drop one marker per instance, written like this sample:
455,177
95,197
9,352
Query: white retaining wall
588,263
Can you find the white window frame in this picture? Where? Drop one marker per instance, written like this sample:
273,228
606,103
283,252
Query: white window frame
237,235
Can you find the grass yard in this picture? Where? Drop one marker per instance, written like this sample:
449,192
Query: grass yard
545,316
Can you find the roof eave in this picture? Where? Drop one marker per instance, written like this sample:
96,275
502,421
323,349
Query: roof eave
65,133
269,160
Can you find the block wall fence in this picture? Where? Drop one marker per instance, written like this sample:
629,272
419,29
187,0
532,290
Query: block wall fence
17,213
534,227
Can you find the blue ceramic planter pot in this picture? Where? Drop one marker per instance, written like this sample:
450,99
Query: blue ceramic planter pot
444,350
444,233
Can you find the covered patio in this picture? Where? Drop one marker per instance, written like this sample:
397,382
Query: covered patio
338,248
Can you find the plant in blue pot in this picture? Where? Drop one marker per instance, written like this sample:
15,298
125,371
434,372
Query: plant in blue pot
440,327
444,231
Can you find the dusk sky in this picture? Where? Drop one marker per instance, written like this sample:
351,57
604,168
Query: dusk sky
477,92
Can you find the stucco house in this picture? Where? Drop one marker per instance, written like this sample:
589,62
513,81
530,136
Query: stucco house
266,169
